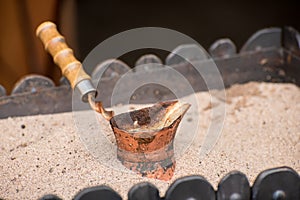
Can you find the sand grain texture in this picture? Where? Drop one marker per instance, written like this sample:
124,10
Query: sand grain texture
44,155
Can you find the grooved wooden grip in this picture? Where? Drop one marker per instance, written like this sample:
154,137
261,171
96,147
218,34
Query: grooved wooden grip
62,55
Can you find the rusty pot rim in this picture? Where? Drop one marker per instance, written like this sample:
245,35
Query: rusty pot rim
148,126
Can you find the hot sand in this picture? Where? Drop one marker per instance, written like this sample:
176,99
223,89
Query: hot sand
44,154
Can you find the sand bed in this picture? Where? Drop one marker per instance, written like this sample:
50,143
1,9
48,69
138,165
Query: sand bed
44,154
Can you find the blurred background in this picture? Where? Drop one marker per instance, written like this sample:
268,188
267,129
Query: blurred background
86,23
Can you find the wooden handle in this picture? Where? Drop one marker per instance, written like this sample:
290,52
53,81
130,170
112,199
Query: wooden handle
62,55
